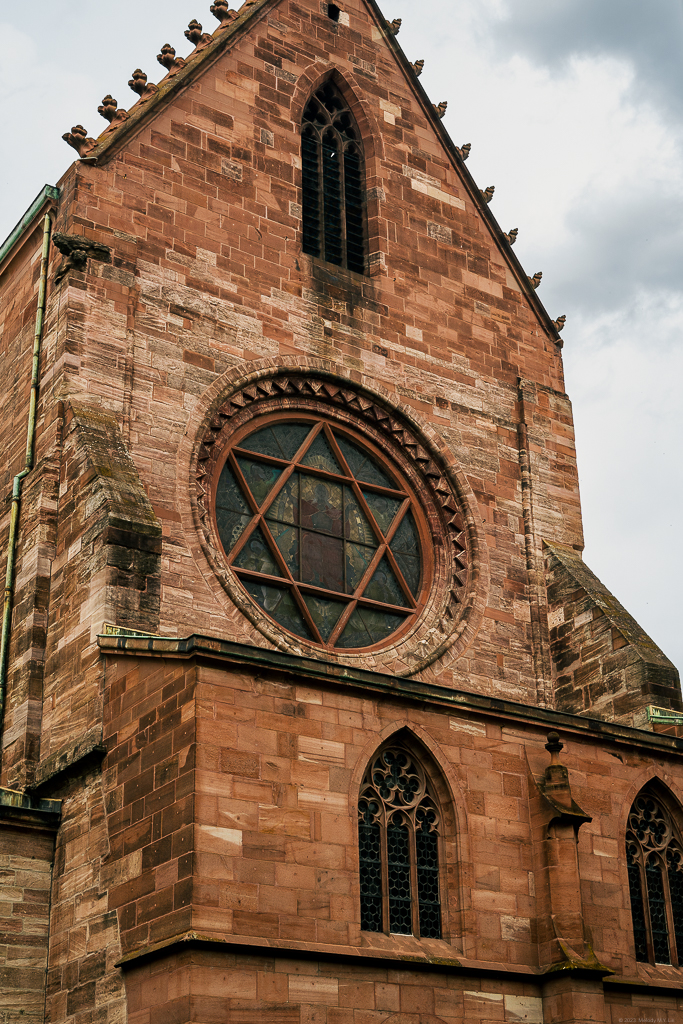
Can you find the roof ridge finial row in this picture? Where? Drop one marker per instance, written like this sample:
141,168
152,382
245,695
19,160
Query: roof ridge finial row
78,137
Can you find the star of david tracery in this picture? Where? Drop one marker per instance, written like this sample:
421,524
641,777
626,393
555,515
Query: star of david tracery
320,532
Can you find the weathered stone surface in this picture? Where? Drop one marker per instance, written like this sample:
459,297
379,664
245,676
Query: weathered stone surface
206,868
604,663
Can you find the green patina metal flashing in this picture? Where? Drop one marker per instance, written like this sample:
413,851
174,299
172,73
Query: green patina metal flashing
28,465
48,194
22,808
228,652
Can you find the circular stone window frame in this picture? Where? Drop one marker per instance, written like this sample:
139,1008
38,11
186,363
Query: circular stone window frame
399,467
453,608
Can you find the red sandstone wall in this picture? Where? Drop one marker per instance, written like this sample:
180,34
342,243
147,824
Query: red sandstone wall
270,768
25,877
201,210
229,796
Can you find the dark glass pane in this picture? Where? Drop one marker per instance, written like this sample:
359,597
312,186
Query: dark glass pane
384,586
370,878
398,864
281,441
356,525
229,493
259,476
321,456
655,894
287,540
310,176
353,194
332,199
322,561
325,614
280,605
637,909
358,558
362,465
367,626
675,872
383,509
230,527
256,555
405,548
427,863
285,505
321,505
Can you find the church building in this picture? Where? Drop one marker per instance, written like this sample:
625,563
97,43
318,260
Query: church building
311,711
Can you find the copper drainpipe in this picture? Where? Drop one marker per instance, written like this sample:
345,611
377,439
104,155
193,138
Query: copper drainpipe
28,465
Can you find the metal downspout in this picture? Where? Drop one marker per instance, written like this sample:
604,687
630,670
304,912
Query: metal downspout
28,465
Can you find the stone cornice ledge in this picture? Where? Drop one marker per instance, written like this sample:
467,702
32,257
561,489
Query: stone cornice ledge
365,956
331,673
68,761
249,945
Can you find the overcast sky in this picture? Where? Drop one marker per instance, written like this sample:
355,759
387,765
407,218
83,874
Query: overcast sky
574,109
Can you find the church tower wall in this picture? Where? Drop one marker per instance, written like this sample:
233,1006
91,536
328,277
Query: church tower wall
199,766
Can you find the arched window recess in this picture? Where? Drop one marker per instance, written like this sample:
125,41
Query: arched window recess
654,856
332,181
398,832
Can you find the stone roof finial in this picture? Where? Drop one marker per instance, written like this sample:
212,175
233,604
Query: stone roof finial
487,193
464,151
417,67
536,279
554,746
440,108
511,235
194,33
168,59
139,84
108,108
111,112
79,140
394,26
220,10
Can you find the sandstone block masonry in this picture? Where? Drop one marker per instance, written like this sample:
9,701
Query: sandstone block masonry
178,817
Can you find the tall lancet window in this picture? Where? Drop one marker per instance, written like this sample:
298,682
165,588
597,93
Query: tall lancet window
654,856
398,836
332,177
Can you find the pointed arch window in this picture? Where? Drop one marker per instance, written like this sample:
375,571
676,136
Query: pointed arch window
332,181
398,836
654,856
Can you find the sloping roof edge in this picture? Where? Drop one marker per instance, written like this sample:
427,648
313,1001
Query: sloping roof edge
48,196
621,619
111,141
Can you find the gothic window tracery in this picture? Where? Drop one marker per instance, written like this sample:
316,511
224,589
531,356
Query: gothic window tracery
321,532
332,181
654,858
398,834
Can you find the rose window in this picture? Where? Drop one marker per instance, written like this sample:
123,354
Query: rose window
323,533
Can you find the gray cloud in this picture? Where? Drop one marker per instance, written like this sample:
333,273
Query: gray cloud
619,245
649,35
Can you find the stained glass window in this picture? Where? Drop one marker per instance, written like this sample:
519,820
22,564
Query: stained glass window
321,532
332,181
398,830
654,860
